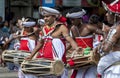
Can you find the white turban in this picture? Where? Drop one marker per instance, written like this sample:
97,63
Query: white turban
48,11
28,24
41,21
76,14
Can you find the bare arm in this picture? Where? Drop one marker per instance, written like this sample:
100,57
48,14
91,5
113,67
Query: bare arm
65,33
109,43
75,32
36,49
93,28
5,46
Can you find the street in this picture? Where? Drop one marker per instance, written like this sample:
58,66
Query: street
5,73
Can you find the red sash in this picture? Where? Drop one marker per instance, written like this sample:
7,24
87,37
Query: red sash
85,42
46,50
24,45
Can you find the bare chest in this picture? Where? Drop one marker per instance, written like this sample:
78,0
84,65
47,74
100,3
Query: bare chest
84,31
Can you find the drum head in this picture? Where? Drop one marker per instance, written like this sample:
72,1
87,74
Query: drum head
58,67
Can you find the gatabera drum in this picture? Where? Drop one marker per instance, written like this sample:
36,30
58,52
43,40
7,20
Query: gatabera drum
15,56
78,60
42,67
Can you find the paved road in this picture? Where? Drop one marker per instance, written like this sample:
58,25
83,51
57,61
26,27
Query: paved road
5,73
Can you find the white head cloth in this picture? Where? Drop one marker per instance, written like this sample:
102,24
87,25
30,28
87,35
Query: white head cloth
76,14
28,24
41,21
48,11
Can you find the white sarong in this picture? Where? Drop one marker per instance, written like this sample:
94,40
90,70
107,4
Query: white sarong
59,47
104,66
90,72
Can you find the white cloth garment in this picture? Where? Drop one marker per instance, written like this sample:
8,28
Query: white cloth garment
59,47
76,14
31,46
91,72
104,66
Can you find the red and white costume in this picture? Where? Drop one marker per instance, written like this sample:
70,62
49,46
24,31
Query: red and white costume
27,44
52,48
90,72
83,42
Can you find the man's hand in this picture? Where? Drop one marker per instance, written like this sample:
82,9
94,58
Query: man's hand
28,58
96,55
79,50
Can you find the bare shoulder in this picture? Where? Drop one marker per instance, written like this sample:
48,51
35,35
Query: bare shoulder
117,32
91,27
118,28
63,27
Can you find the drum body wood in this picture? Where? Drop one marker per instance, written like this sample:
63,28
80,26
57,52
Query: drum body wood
15,56
82,60
43,67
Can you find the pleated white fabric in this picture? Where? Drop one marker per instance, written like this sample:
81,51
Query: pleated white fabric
104,66
90,72
59,48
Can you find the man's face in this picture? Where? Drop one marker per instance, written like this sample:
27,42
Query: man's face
28,29
49,19
110,18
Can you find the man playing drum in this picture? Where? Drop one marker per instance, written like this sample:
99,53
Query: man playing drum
83,35
27,42
52,45
109,64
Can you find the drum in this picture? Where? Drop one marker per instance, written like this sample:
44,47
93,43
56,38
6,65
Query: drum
42,67
15,56
82,60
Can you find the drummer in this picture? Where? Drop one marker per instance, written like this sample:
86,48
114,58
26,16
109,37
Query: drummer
83,35
52,45
27,41
109,64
